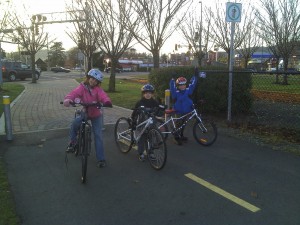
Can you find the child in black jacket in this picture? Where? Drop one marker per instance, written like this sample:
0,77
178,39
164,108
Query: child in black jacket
148,102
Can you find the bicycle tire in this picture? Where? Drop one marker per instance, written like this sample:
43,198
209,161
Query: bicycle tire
123,135
205,132
164,129
156,148
85,152
79,144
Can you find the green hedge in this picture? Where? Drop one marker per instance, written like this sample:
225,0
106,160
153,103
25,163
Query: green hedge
213,89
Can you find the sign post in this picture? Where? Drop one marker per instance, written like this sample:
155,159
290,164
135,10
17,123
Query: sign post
233,15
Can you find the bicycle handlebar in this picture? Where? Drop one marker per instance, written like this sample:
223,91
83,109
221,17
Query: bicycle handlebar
151,111
97,104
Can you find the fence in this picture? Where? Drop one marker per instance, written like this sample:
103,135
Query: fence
276,103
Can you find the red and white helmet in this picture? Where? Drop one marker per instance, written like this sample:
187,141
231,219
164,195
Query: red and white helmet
181,81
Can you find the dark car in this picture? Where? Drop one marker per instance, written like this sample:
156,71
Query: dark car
118,70
13,70
60,69
250,70
290,71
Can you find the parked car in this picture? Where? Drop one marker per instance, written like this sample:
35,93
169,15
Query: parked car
118,70
292,71
250,70
60,69
13,70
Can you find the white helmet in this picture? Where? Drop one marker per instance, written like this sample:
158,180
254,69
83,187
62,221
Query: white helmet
96,74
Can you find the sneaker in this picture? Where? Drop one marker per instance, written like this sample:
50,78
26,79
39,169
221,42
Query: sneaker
101,164
151,155
184,139
70,148
177,141
142,157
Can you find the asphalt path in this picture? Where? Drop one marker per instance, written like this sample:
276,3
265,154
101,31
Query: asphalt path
248,184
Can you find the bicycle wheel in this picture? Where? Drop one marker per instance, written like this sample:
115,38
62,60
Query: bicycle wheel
85,152
123,135
163,128
205,132
156,149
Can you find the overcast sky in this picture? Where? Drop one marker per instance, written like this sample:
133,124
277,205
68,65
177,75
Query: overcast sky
58,30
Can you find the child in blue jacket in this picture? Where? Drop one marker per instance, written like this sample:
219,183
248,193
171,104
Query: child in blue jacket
181,94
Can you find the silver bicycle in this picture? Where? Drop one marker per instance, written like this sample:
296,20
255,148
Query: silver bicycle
128,135
204,130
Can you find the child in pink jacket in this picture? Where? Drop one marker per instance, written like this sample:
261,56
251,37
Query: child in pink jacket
89,91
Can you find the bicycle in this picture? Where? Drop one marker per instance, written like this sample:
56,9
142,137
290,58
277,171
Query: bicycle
84,140
204,130
127,134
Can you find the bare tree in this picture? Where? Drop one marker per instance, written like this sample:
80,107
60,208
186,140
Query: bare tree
85,34
157,23
30,35
196,33
104,29
220,29
249,44
4,16
111,19
280,21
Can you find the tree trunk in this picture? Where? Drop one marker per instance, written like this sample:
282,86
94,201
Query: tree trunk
33,68
155,54
112,78
285,66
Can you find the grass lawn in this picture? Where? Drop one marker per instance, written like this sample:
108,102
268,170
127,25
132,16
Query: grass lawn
12,90
7,207
266,82
127,92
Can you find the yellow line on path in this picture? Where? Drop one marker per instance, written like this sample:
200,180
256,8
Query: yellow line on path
223,193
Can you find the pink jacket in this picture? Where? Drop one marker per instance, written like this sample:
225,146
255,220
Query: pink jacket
88,95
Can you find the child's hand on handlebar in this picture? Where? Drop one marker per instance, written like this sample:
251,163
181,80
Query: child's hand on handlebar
68,102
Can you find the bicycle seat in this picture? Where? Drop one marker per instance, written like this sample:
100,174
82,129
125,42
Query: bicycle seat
170,111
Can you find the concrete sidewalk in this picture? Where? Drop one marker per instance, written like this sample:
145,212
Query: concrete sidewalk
38,108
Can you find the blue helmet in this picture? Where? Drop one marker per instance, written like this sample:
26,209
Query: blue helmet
147,88
96,74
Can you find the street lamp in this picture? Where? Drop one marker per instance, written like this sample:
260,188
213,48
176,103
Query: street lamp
200,36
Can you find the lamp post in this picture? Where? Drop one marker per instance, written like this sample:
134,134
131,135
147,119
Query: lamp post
200,35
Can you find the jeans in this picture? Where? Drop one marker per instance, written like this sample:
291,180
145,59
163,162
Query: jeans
141,144
97,124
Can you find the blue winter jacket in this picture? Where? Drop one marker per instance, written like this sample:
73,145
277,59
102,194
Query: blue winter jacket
183,103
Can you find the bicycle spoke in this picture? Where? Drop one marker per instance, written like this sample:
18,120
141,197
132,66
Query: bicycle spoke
123,135
156,149
205,132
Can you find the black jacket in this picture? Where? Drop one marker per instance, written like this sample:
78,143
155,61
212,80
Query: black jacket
147,103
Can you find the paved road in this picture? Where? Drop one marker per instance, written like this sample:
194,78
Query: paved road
129,192
247,183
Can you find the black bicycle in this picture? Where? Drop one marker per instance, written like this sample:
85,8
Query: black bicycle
84,140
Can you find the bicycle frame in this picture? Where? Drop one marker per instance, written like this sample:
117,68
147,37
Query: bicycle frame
144,126
188,117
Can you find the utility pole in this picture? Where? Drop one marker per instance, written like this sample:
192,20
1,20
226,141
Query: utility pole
200,36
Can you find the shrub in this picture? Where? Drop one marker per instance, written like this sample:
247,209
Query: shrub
213,89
